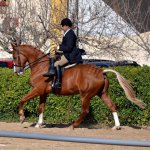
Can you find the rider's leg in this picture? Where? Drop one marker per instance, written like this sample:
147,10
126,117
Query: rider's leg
58,65
58,77
51,69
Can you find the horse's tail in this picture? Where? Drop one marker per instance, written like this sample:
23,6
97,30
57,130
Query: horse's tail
127,88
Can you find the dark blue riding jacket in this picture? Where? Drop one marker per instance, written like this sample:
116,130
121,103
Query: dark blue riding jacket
68,46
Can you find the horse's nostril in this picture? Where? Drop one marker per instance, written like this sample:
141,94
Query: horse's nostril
20,73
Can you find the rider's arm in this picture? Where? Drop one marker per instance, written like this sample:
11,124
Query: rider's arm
70,41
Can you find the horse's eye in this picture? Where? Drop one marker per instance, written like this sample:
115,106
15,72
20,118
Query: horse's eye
14,57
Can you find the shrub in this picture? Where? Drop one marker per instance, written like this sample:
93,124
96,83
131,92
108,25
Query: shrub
65,109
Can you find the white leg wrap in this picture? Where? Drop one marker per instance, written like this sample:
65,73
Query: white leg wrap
116,119
40,121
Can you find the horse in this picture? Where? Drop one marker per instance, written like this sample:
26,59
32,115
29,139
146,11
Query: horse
85,79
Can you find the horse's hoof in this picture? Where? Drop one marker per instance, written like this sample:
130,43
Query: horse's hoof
22,118
38,125
71,127
116,128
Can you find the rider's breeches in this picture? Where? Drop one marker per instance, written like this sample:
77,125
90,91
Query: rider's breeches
61,62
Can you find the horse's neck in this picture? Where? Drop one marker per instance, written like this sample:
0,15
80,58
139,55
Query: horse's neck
34,57
33,54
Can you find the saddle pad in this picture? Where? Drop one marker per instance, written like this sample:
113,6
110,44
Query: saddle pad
69,66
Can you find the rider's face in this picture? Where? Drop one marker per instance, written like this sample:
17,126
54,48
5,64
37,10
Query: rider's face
65,28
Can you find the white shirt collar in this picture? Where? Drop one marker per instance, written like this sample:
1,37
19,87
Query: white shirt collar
66,32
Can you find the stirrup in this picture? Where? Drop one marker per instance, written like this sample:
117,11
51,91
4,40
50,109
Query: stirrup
49,74
57,84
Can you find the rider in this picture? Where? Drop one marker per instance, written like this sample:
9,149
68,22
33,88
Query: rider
71,54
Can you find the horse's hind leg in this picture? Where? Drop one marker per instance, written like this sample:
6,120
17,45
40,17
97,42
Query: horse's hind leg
85,111
110,104
41,110
32,94
112,107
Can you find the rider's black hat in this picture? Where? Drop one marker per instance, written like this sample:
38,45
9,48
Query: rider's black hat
66,22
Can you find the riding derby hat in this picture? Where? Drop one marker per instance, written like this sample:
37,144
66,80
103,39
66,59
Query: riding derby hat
66,22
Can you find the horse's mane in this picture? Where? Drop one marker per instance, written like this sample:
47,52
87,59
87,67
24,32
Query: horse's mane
34,49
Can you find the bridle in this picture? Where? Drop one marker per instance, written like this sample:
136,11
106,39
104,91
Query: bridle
27,66
21,68
18,58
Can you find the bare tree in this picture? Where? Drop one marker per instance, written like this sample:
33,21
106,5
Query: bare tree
25,21
100,30
105,29
137,14
97,29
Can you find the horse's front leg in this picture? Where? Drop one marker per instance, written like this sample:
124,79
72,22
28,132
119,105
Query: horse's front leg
32,94
41,110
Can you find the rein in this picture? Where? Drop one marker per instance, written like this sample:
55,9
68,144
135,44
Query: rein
29,64
34,62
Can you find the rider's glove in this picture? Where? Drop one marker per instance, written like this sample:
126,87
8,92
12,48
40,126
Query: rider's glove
53,49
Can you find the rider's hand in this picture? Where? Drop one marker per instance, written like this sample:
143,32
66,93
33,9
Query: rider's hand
53,48
58,48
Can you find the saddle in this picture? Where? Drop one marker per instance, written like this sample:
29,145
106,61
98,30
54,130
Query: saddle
66,66
56,83
57,80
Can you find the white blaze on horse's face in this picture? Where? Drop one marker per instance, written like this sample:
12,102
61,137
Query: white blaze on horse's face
18,67
18,71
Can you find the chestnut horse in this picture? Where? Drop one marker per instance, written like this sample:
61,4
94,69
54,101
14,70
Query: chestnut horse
84,79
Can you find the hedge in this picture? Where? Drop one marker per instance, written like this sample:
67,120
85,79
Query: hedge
65,109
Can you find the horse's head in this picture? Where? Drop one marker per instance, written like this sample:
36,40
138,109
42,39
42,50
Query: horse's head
19,59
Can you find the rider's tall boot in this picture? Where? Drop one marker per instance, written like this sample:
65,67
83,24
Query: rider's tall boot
51,69
57,83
